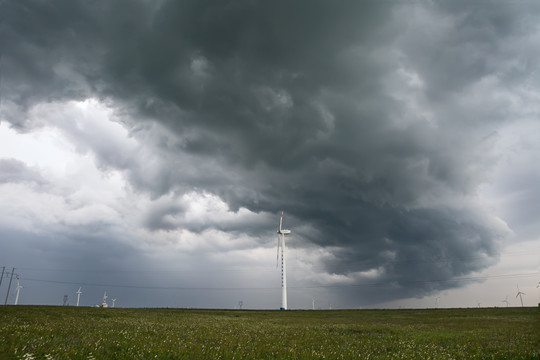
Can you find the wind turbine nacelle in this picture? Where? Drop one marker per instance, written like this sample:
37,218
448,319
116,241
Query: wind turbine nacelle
284,232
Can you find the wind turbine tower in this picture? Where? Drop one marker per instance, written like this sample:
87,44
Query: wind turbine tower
113,300
19,287
281,244
519,293
79,292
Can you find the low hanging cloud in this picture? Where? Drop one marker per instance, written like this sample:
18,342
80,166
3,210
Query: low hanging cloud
374,124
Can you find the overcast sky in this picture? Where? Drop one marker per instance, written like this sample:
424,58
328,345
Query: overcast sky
147,149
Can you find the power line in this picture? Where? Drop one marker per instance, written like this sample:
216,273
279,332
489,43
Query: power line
146,287
371,284
109,271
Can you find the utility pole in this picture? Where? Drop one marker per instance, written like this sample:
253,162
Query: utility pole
9,286
1,277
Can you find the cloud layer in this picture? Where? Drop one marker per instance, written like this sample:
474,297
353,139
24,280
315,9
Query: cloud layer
376,125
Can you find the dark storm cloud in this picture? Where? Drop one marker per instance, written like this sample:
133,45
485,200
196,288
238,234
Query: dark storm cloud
353,116
435,245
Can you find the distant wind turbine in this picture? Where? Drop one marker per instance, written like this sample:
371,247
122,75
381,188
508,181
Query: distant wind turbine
113,300
281,243
104,303
506,301
19,287
519,293
79,292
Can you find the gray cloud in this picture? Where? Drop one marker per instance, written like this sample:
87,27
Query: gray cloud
371,122
15,171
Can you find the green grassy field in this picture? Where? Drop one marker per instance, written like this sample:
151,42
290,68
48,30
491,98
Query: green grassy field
43,332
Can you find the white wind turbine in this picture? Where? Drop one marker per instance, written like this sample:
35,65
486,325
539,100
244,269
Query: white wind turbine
519,293
19,287
113,300
281,243
104,303
79,292
506,301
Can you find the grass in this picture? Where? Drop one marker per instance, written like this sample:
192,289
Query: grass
43,332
